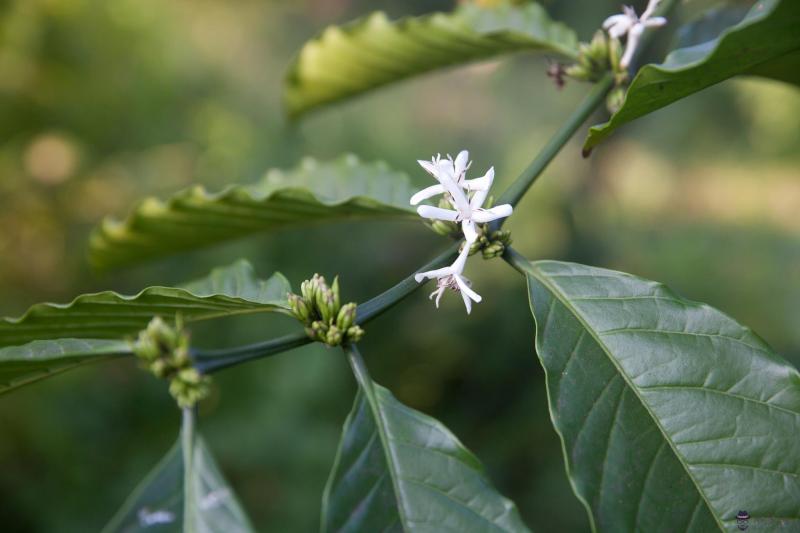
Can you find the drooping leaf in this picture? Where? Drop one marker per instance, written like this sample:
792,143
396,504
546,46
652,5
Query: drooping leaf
374,51
345,188
766,43
400,470
107,315
159,502
673,416
21,365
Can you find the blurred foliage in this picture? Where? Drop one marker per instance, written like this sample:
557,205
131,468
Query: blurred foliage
104,101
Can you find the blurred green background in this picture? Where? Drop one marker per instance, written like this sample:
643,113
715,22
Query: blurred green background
104,101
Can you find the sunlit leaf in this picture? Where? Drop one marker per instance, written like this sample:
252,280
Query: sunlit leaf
766,43
673,416
107,315
400,470
374,51
159,503
345,188
21,365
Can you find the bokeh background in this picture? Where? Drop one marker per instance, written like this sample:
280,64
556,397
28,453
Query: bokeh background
104,101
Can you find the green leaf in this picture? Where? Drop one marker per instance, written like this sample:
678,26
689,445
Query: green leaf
673,417
160,501
400,470
107,315
345,188
766,43
374,51
21,365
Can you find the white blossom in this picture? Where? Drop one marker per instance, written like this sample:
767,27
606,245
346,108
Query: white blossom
467,197
632,25
452,277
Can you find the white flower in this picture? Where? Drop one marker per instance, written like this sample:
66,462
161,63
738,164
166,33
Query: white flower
451,175
628,22
452,277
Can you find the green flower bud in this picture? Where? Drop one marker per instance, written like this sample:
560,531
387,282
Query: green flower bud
354,334
444,228
299,308
615,99
336,300
334,336
346,316
318,330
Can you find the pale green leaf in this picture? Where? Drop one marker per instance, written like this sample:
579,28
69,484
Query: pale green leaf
345,61
766,43
345,188
158,503
227,291
400,470
673,417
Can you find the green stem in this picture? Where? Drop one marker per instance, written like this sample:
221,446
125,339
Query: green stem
514,193
209,361
187,445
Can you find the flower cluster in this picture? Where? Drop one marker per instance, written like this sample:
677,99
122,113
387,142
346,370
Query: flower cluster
320,310
466,197
629,23
164,351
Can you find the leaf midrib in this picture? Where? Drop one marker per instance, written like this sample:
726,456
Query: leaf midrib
533,270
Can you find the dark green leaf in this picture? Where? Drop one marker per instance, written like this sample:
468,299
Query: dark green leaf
374,51
21,365
159,502
344,188
107,315
673,416
400,470
766,43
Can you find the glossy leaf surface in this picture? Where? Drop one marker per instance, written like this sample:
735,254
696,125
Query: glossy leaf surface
673,416
345,61
345,188
766,43
159,503
400,470
107,315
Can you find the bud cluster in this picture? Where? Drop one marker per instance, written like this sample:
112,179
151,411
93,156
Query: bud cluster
492,244
597,57
325,319
164,351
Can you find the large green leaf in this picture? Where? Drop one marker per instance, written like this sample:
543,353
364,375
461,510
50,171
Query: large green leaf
673,416
374,51
312,192
766,43
400,470
184,492
107,315
21,365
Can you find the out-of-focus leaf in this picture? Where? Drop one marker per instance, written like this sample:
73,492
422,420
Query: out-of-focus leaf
159,503
345,188
766,43
673,416
400,470
374,51
107,315
21,365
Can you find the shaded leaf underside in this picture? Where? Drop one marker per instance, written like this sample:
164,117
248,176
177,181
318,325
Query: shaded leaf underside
374,51
673,416
315,191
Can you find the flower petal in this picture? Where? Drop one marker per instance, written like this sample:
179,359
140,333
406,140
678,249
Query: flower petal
481,216
651,7
467,302
465,288
460,164
655,22
480,194
630,46
461,261
426,193
429,167
431,274
470,233
437,213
